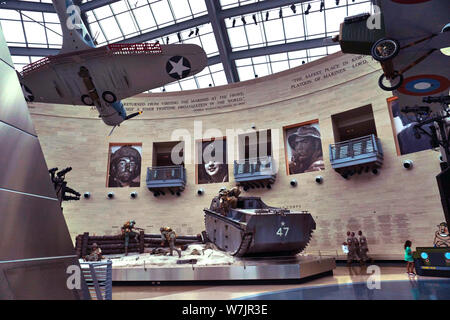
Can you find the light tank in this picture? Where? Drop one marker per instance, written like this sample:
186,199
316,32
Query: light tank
254,228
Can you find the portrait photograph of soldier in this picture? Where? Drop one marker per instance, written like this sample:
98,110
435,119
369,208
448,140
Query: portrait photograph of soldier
124,166
409,139
304,149
212,164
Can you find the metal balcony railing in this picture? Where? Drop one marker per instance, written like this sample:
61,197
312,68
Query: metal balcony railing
255,172
356,151
167,176
261,166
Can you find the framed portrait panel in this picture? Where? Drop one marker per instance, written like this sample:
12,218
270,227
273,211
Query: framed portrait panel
211,161
303,148
124,165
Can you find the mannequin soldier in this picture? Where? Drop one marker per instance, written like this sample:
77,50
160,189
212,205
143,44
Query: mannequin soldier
363,248
96,254
442,236
229,199
168,236
357,249
351,249
127,231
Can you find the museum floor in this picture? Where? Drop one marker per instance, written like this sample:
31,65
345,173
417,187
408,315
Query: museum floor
345,283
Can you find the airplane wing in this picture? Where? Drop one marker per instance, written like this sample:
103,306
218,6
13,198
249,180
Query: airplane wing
121,70
411,21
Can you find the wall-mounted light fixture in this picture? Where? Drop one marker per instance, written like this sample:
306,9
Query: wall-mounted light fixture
407,164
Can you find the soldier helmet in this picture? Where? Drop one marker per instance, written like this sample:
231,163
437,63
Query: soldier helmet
94,245
126,152
304,132
442,224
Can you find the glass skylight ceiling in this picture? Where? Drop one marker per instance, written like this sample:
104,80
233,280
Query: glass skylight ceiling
125,19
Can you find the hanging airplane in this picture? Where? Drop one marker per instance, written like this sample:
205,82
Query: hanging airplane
414,53
103,76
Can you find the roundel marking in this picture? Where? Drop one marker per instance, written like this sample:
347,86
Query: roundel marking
423,85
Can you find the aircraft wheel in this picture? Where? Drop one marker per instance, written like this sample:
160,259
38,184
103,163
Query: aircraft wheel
397,81
385,49
109,97
87,100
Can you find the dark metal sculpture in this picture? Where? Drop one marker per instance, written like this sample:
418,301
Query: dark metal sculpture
253,228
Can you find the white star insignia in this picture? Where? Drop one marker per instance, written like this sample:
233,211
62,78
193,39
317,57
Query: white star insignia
178,67
282,223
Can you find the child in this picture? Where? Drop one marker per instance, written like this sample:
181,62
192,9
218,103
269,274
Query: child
409,258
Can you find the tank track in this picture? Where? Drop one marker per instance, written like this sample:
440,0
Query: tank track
245,241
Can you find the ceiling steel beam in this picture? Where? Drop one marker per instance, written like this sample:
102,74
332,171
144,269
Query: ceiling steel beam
33,52
257,7
280,48
27,6
95,4
222,40
174,28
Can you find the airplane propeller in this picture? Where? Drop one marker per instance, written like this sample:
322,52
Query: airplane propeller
126,118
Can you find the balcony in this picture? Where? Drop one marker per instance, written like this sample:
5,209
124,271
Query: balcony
171,179
254,173
356,155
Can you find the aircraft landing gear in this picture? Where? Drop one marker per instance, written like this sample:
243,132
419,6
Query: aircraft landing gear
385,49
109,97
396,82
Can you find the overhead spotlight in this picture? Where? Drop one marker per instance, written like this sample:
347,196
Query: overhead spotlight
337,2
179,36
322,6
280,14
210,85
200,191
163,89
267,15
303,61
167,40
110,195
407,164
197,30
133,194
256,76
157,42
319,179
293,8
87,195
375,171
293,183
254,19
243,21
191,33
234,23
